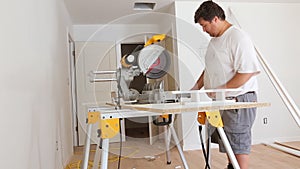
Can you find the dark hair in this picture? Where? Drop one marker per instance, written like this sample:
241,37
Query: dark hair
208,10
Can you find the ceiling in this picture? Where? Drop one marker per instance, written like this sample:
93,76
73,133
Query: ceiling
105,11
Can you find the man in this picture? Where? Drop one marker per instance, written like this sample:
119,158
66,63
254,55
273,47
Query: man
230,62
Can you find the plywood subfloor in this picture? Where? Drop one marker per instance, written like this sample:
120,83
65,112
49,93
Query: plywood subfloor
262,157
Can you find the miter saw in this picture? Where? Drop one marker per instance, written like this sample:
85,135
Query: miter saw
150,61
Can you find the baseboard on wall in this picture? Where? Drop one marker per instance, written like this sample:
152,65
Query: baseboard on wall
254,142
278,139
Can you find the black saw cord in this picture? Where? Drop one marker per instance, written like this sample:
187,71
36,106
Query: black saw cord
205,154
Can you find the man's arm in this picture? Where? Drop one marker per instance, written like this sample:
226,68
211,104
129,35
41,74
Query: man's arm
200,82
237,81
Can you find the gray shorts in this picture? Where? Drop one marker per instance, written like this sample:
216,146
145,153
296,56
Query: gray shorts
237,126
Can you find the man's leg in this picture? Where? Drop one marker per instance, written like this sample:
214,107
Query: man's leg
237,126
243,160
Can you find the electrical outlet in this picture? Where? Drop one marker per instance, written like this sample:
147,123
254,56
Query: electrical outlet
56,145
265,120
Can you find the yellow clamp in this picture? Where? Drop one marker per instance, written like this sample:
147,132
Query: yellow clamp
109,127
201,117
93,117
155,38
214,118
166,116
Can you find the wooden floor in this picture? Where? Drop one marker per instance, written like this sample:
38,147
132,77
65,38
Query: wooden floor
262,157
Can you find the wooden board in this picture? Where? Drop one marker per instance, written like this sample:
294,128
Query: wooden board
193,106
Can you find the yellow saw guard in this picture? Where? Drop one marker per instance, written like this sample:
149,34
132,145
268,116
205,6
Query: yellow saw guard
155,38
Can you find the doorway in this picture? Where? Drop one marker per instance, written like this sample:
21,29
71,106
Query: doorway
135,127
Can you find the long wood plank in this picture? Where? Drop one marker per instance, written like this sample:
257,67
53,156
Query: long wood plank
285,149
293,145
193,106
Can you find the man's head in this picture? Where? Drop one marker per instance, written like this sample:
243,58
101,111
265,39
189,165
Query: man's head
208,10
209,15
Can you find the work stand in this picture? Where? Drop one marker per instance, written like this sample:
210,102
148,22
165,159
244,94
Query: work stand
214,119
108,128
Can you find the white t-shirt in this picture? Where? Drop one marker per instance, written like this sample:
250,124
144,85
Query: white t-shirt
228,54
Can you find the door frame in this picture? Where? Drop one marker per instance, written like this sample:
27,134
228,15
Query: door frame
73,93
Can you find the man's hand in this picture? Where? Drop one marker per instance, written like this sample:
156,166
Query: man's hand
195,87
199,84
212,95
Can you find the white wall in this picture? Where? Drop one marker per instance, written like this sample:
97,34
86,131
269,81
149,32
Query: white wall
35,123
126,29
273,30
113,32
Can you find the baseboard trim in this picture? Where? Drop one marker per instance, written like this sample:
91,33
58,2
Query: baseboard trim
272,140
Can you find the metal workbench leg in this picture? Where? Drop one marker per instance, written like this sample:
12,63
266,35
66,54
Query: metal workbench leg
208,144
167,142
178,146
87,147
97,154
208,150
104,156
228,148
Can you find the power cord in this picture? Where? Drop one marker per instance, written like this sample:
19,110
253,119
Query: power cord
205,154
77,164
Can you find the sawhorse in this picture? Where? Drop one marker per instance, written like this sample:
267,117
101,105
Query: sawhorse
214,118
109,127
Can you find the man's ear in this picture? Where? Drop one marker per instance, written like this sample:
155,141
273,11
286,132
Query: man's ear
215,19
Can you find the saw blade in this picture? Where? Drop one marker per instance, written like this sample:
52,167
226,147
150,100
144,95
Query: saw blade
154,61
